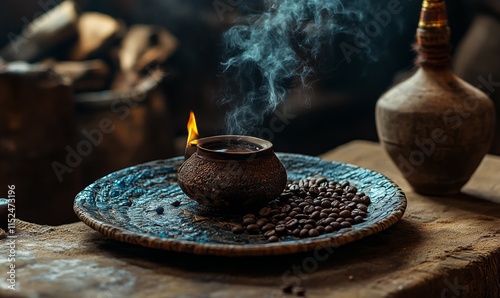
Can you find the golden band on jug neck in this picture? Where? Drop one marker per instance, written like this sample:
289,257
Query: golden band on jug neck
433,14
433,35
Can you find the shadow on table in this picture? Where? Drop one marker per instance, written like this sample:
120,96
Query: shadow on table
363,259
475,205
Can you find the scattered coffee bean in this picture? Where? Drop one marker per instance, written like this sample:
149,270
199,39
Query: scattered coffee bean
253,228
238,229
313,232
248,221
160,210
175,203
273,239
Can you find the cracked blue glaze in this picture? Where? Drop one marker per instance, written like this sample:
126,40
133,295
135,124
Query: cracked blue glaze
122,206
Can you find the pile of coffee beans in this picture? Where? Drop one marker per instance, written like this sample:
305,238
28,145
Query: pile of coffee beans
308,208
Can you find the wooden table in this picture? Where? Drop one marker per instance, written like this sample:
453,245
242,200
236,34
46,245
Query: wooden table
443,247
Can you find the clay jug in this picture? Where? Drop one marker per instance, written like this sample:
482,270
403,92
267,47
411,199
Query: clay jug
435,126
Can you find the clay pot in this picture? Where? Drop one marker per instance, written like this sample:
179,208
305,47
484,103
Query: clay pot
232,173
435,126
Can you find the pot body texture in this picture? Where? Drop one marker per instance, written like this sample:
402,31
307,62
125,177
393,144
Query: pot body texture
232,181
436,128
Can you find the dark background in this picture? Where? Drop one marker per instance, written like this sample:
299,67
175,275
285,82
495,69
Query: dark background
343,94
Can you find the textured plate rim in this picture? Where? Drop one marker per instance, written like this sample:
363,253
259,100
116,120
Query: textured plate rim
278,248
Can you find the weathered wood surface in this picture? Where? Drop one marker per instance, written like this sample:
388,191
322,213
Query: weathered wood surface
443,247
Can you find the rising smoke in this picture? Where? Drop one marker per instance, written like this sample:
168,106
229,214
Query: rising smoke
274,49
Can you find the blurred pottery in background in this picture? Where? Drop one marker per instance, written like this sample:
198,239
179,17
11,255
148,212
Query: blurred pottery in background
37,125
124,128
435,126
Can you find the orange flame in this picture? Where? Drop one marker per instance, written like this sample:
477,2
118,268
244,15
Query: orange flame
192,130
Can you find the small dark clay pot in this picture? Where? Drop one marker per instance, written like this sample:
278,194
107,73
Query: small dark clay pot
232,172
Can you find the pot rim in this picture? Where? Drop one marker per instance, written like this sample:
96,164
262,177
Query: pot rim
265,147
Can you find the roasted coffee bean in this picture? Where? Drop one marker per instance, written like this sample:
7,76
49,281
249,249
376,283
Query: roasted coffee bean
273,239
160,210
261,221
238,229
356,199
333,215
345,213
248,215
292,224
349,196
249,220
285,209
313,233
264,211
303,204
335,225
326,204
321,222
314,190
310,222
303,233
362,207
314,215
329,220
302,194
309,198
309,209
253,228
301,216
280,229
267,227
344,184
321,180
345,224
274,211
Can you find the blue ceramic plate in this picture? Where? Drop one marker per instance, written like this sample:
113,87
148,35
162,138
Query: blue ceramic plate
121,206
